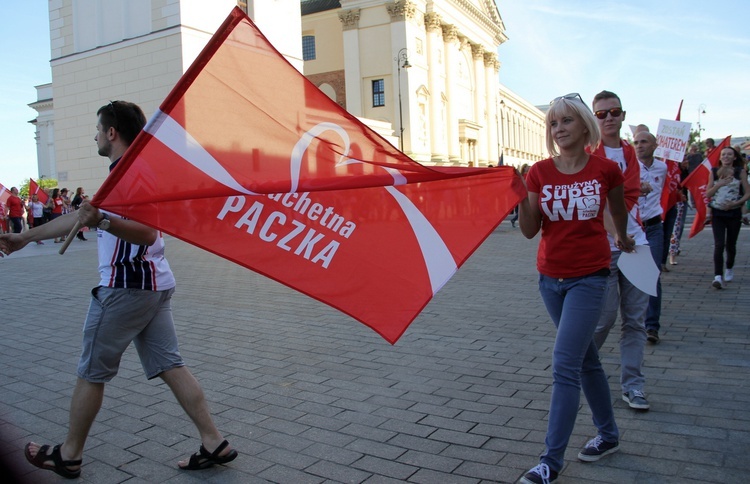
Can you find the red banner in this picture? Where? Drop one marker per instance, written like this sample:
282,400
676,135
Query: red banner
696,182
248,160
34,188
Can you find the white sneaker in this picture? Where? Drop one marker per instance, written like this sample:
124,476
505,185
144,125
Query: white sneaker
728,275
718,284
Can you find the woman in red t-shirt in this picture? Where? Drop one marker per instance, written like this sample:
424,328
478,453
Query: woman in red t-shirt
566,197
57,208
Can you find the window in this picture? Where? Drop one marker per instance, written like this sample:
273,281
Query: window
378,93
308,47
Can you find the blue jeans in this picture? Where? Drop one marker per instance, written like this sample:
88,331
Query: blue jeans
633,304
655,237
575,306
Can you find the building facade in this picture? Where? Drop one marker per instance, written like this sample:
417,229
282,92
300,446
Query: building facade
429,68
424,74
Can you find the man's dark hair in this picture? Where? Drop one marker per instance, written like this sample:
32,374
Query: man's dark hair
711,140
606,95
127,118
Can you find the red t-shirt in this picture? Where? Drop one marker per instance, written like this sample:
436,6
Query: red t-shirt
57,205
15,206
574,242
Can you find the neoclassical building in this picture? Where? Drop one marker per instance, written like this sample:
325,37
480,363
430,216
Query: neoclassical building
422,73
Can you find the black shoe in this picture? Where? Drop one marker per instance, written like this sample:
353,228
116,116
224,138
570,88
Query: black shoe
652,336
540,474
597,448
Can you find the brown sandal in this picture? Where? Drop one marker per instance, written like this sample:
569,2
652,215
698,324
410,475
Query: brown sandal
58,466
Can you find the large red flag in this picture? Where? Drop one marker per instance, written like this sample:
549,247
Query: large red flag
34,188
671,193
248,160
696,182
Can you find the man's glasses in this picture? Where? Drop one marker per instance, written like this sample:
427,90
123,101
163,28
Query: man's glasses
116,125
572,95
602,113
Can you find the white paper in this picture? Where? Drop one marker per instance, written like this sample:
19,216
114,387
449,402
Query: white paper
639,267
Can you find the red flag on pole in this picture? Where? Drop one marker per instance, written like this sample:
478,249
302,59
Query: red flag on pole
671,193
696,182
34,188
247,159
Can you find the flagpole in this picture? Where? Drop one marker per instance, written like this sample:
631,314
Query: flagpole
78,226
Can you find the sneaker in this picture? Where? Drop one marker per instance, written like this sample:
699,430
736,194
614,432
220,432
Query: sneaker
728,275
718,284
540,474
652,336
636,399
597,448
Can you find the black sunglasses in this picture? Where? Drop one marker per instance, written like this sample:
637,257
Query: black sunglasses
572,95
114,114
602,113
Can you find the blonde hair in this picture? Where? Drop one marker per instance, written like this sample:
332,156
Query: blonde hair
575,107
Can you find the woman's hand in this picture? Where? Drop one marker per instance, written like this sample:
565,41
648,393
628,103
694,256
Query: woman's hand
625,244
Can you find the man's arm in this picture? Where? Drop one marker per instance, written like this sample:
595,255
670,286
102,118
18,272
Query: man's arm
127,230
54,228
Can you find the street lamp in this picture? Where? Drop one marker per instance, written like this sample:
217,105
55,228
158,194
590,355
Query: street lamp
402,61
701,110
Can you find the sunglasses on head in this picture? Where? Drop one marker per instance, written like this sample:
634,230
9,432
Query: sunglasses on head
602,113
572,95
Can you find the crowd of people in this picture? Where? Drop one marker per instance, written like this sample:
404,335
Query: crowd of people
21,213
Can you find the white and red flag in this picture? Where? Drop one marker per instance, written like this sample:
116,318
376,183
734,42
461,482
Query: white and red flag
40,194
4,195
249,160
696,182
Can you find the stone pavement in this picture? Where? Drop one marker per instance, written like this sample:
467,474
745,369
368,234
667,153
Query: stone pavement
308,395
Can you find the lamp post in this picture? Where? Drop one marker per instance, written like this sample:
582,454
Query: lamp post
701,110
501,133
402,61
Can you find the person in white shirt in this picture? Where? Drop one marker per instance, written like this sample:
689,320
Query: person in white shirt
653,175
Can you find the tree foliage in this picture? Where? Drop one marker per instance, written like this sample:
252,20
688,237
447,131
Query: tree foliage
42,182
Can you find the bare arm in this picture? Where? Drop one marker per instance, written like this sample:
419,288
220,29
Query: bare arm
54,228
127,230
619,217
529,215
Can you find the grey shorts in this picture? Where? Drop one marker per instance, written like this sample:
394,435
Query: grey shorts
118,316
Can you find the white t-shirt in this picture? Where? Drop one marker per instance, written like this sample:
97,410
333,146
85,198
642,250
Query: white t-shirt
126,265
634,225
655,175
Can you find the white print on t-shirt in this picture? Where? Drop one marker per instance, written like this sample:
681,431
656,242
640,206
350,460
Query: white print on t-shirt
563,201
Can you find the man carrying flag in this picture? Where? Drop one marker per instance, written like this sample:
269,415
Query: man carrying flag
132,303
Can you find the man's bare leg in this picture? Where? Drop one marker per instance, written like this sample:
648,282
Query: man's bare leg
190,396
84,406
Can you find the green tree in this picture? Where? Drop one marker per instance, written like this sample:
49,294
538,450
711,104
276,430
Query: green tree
43,183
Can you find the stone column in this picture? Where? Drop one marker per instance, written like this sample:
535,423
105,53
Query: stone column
491,69
436,86
452,45
352,71
480,104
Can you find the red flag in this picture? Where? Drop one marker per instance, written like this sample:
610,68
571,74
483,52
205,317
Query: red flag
696,182
4,195
34,188
248,160
671,194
